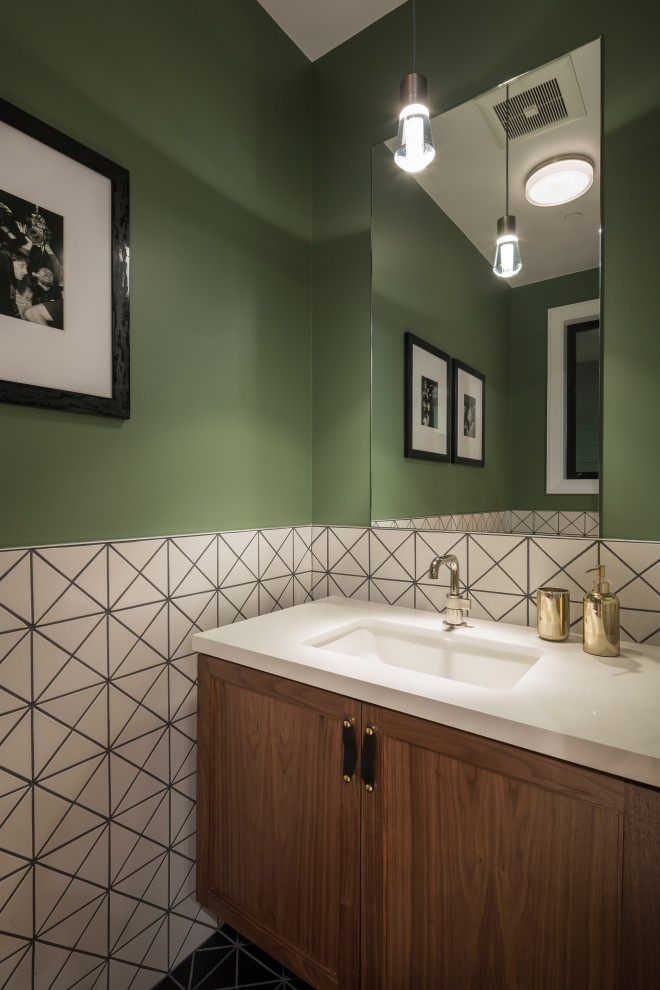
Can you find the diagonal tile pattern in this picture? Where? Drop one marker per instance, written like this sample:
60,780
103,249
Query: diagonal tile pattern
523,521
98,713
227,961
500,572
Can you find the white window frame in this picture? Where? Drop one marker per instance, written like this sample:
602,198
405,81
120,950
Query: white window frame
559,319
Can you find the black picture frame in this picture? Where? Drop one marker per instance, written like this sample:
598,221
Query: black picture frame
57,180
469,415
427,395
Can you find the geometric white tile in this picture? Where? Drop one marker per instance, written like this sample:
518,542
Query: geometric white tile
15,653
276,593
15,816
319,548
349,586
275,552
302,587
497,563
499,607
302,553
238,558
85,564
15,963
561,562
16,742
60,968
16,900
193,564
238,602
15,588
188,615
401,593
348,550
56,597
392,555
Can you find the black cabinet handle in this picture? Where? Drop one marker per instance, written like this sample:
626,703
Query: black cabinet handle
350,751
369,758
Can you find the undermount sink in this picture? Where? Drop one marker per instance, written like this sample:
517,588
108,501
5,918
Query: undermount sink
442,653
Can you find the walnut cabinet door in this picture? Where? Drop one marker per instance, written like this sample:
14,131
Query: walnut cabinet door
278,826
486,866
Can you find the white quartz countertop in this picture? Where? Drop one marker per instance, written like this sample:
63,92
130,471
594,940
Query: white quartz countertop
597,712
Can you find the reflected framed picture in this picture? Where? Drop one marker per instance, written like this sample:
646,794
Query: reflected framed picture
469,421
64,301
427,400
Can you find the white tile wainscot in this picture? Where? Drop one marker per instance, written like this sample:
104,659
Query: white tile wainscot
98,744
98,696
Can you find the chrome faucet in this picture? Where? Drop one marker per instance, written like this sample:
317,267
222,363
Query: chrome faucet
455,605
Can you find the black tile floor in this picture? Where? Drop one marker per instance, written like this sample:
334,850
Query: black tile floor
227,961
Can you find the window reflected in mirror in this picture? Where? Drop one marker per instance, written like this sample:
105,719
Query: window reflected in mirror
583,399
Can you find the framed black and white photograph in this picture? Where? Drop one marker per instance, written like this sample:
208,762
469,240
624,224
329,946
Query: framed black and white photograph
427,406
64,303
469,388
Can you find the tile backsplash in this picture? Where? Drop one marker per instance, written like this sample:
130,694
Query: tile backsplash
98,710
541,521
500,573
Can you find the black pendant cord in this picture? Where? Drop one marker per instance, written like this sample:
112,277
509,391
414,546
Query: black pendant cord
414,13
506,212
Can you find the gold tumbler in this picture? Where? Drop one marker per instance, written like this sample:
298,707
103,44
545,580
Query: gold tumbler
553,613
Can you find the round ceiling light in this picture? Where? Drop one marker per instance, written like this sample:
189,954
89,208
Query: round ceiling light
559,180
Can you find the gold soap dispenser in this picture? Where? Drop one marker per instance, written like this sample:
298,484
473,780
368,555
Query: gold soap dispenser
600,611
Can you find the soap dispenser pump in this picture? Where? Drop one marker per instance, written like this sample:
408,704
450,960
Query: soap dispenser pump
600,612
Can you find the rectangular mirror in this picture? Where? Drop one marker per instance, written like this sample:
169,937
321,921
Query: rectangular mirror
433,248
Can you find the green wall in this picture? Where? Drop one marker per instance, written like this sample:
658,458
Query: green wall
465,50
529,369
208,106
428,278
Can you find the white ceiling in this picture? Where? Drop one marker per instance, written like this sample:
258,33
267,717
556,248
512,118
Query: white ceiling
318,26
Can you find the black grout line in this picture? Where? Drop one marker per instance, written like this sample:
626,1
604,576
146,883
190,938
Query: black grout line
527,541
32,771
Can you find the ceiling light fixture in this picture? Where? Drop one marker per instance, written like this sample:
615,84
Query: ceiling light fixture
559,180
507,253
414,142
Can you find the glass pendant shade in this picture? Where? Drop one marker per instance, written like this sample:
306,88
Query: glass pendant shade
507,254
414,142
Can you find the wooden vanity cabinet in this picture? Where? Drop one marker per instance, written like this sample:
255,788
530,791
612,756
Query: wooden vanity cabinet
278,829
471,865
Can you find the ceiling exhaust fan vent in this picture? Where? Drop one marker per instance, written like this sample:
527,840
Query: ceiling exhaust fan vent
539,100
531,111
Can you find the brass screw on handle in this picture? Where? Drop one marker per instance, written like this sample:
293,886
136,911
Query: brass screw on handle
369,787
347,779
347,724
370,731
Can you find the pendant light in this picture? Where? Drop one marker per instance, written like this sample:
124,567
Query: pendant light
414,141
507,254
